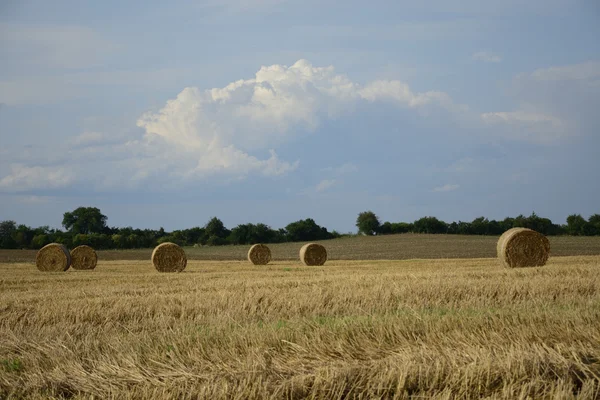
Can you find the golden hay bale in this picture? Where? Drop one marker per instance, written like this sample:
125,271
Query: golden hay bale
53,257
259,254
313,254
522,247
83,257
169,257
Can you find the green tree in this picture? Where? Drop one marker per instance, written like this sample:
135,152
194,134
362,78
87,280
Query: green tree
594,222
23,236
84,220
430,225
480,226
39,241
576,225
119,241
368,223
305,230
7,232
215,227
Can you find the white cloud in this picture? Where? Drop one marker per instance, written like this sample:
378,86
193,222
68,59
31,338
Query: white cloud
585,71
220,126
23,177
324,185
401,94
528,126
486,56
231,131
446,188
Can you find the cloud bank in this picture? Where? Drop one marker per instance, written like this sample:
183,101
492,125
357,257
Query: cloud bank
234,132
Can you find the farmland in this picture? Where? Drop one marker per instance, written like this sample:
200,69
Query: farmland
388,247
454,325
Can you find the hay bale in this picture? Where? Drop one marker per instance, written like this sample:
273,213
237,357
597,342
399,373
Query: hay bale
259,254
313,254
53,257
522,247
169,257
83,258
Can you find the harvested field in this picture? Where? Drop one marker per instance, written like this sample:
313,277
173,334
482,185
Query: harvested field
462,328
389,247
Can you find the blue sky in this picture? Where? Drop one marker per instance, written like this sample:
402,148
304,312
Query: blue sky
166,114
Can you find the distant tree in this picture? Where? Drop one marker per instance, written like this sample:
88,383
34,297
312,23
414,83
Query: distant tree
84,220
82,239
304,230
215,227
430,225
576,224
480,226
216,241
368,223
23,236
172,239
507,223
193,235
39,241
240,234
119,241
7,231
594,222
390,228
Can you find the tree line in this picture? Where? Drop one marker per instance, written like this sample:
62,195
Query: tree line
368,224
87,225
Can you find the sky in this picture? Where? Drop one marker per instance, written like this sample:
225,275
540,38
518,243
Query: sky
167,114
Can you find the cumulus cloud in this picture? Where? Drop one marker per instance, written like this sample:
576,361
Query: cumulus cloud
231,132
401,94
22,178
446,188
279,99
487,57
221,126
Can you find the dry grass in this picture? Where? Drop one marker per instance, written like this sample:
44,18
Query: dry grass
389,247
371,329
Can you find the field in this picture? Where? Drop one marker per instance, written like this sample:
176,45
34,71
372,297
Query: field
416,328
392,247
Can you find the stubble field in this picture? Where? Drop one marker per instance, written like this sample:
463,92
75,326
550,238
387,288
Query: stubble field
427,328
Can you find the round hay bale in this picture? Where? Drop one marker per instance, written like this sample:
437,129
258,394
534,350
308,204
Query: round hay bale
83,258
522,247
169,257
313,254
53,257
259,254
